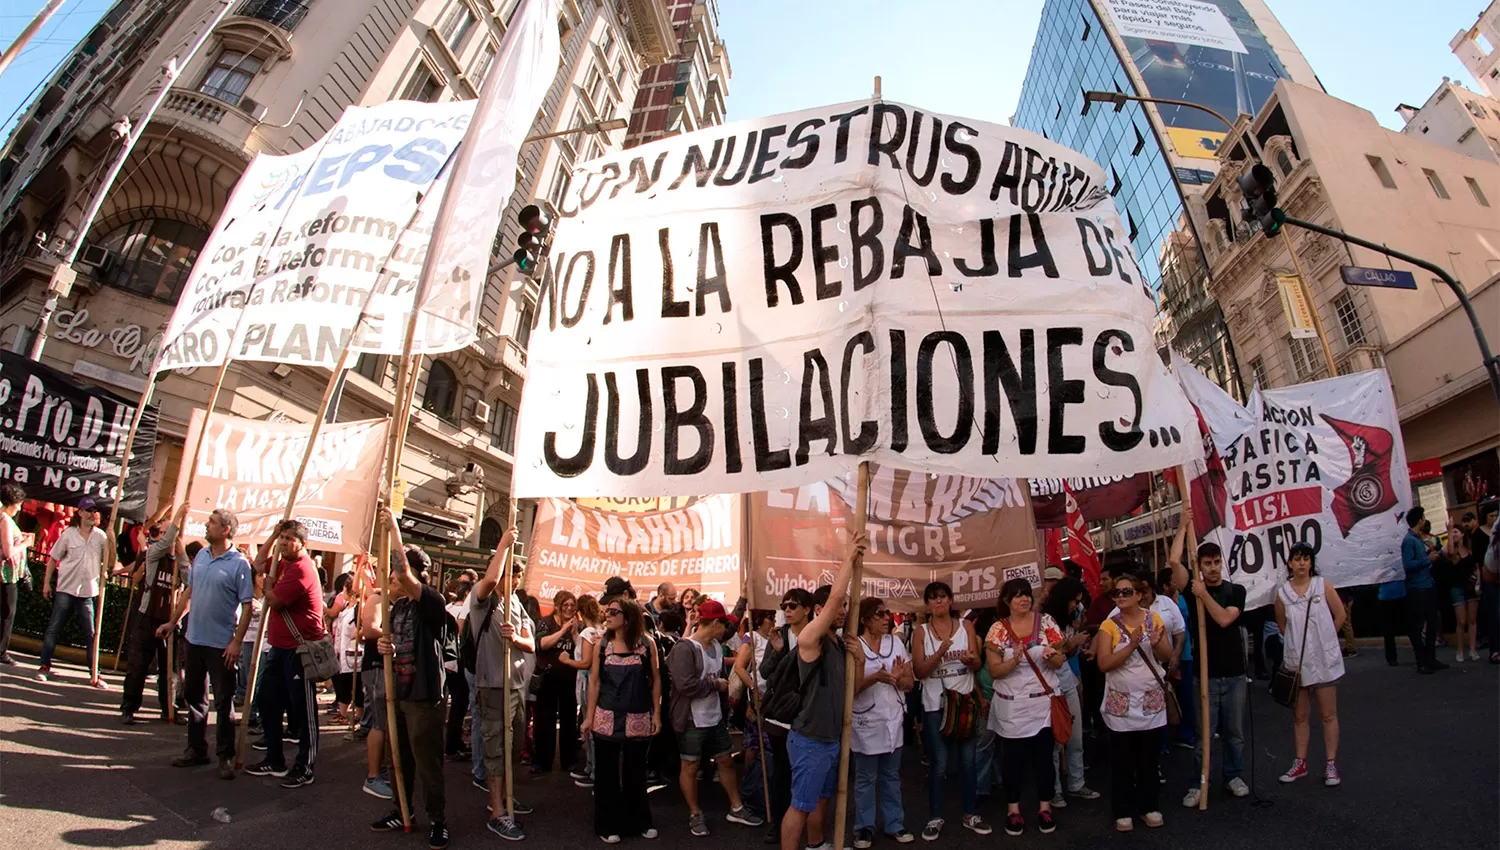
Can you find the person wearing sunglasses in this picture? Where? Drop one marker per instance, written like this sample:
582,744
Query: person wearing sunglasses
1135,702
1023,659
946,654
796,607
622,714
879,709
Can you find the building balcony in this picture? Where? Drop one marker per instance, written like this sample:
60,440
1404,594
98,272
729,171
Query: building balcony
651,30
210,118
286,14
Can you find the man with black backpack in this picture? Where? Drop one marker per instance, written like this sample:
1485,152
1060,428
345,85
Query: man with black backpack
782,699
489,634
813,743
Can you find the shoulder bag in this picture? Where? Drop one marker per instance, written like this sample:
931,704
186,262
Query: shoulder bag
319,662
961,714
1174,708
1062,716
1287,683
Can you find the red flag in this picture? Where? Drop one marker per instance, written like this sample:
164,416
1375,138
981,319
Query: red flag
1054,547
1080,545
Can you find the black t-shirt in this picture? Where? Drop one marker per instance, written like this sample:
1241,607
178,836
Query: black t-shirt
1226,647
546,659
417,632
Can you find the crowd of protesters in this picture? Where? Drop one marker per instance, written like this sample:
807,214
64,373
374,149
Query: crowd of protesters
744,709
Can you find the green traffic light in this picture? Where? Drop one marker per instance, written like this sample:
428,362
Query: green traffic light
1273,222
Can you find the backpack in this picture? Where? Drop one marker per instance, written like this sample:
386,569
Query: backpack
786,688
448,642
468,641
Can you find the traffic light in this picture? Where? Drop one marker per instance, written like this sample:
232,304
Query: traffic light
1258,185
536,225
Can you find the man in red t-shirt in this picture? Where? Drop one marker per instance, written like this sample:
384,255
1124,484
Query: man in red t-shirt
294,609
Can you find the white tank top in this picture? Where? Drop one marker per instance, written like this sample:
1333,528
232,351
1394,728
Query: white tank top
950,674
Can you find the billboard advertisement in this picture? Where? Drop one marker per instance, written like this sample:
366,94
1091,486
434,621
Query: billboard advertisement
1209,52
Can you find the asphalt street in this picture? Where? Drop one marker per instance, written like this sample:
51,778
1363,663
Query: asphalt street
1420,760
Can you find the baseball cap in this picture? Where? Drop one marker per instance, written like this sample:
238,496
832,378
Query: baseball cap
1053,574
87,503
710,609
617,586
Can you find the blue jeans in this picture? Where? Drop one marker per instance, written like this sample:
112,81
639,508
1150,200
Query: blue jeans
1074,748
64,604
1226,715
986,766
1187,697
883,770
940,751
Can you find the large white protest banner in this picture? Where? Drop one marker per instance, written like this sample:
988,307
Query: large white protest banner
761,305
484,175
310,241
1319,463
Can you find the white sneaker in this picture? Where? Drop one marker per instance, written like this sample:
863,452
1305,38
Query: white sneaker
1154,819
1124,824
650,833
1474,655
1190,799
1238,788
1459,656
610,839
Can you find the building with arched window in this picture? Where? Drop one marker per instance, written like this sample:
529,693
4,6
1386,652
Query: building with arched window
274,76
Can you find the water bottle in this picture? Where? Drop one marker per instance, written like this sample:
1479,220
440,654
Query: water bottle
221,814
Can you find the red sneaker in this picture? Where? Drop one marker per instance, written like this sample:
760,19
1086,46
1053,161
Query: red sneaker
1297,771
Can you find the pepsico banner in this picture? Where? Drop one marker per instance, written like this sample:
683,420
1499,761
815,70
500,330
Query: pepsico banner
577,548
247,467
972,533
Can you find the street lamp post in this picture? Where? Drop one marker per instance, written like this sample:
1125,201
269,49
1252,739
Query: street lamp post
1489,361
591,128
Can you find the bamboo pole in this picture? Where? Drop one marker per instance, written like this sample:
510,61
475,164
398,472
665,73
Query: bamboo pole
107,563
124,626
383,572
507,586
1312,307
1205,738
852,670
286,514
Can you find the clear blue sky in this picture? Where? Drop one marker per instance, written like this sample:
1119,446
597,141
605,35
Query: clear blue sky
968,59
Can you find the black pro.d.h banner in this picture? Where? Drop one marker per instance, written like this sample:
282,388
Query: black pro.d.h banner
64,440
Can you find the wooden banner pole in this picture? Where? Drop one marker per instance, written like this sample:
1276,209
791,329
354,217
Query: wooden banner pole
286,514
508,588
124,626
1204,736
107,563
383,572
852,670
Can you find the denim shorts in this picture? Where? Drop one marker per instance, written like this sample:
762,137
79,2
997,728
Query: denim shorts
1460,595
815,770
712,742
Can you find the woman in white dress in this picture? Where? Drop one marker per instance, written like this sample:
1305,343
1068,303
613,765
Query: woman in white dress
1021,652
1308,610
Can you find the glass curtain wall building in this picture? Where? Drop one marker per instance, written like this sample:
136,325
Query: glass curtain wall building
1157,159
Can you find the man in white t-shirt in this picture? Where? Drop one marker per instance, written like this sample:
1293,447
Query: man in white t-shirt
75,560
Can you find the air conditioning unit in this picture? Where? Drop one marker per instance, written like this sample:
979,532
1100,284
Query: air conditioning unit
481,412
96,256
255,109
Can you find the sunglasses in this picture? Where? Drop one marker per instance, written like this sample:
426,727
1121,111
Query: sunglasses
789,606
613,612
882,613
1122,593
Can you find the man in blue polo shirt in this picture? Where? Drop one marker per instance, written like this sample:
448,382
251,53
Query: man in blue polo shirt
1421,594
218,590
